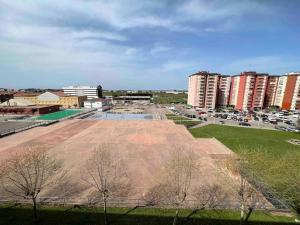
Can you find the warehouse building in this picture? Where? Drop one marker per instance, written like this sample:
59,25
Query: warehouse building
53,98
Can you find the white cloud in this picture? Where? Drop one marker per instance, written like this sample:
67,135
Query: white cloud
176,65
159,48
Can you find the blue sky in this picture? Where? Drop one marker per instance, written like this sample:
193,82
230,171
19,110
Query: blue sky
143,44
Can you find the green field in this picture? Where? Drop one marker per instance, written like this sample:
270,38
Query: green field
58,115
175,117
169,98
142,216
188,122
274,161
158,97
239,138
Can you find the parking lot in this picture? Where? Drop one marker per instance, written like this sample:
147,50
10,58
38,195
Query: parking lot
281,120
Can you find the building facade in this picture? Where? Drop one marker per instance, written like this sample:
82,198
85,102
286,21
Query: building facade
281,85
29,110
202,92
89,91
55,98
99,104
291,97
272,86
223,90
248,90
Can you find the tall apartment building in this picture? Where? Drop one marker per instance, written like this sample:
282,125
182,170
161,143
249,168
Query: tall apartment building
248,90
223,90
291,97
260,88
234,90
89,91
271,91
280,91
202,91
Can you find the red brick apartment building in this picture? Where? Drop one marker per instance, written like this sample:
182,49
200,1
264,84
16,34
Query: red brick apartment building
248,90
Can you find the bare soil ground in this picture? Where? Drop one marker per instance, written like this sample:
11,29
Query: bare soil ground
143,145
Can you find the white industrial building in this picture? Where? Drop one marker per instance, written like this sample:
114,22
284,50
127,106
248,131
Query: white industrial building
99,104
89,91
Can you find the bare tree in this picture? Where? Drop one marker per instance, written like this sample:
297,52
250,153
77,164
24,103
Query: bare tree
27,173
206,197
249,196
175,183
106,173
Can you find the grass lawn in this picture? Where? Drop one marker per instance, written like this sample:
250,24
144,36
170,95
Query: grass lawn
175,117
240,138
142,216
188,122
58,115
274,161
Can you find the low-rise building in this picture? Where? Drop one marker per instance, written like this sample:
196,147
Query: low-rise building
133,98
99,104
89,91
53,98
29,110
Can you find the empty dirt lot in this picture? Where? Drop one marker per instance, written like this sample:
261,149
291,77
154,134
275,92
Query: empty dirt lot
143,145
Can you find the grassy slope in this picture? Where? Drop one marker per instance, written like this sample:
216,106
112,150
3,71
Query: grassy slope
237,138
55,215
274,161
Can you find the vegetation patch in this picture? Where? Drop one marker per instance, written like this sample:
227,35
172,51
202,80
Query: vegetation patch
15,215
273,159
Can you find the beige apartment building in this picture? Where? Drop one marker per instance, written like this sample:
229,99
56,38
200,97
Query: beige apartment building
55,98
280,90
234,90
271,90
202,91
223,90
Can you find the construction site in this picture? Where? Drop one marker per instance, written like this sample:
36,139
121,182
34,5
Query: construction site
143,145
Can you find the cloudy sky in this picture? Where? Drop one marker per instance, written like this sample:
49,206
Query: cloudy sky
143,44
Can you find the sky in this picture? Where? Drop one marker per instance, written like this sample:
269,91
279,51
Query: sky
143,44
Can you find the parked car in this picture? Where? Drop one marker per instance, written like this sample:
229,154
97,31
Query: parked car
273,122
281,128
245,124
224,116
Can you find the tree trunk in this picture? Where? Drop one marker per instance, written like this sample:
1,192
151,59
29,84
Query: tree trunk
242,215
248,214
34,210
105,212
176,217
